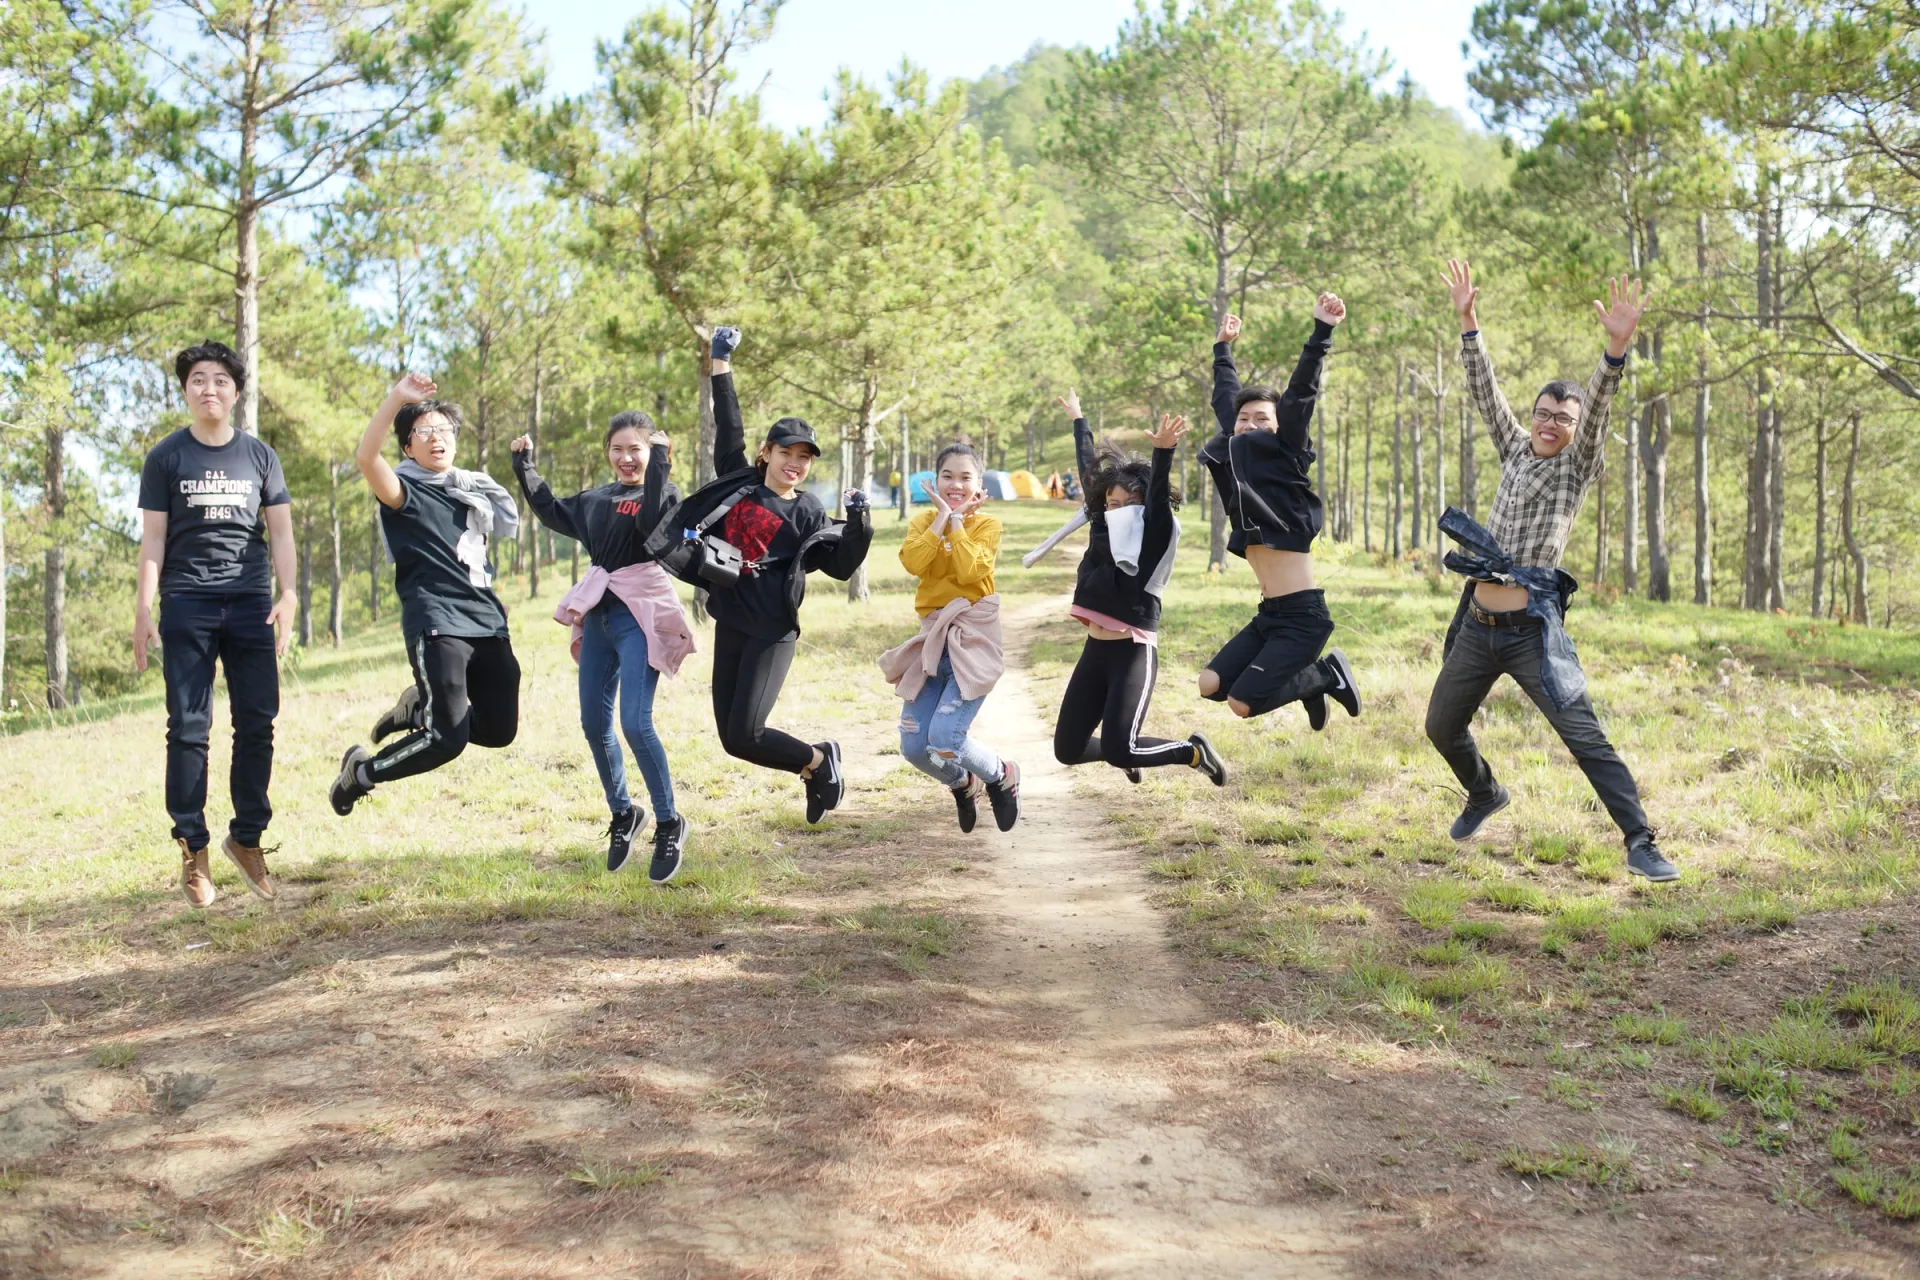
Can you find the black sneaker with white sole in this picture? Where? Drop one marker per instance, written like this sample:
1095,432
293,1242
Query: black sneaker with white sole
1134,776
669,842
1207,760
347,787
1316,705
1344,691
1004,796
966,799
621,833
828,786
402,717
1475,815
1645,859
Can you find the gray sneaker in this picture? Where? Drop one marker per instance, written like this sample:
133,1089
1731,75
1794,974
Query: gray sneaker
1645,859
1474,816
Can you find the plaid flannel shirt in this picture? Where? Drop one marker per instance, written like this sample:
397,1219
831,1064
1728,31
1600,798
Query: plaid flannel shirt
1534,507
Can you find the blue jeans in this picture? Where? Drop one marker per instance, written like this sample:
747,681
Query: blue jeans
613,657
933,732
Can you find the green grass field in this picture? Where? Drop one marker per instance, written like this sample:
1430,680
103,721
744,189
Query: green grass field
1761,1013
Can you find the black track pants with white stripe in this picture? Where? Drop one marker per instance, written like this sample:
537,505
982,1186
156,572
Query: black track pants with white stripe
470,692
1105,705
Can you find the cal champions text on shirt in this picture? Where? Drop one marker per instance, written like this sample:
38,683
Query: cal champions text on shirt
219,498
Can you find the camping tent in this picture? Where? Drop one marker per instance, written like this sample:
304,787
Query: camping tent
1000,486
1027,485
920,487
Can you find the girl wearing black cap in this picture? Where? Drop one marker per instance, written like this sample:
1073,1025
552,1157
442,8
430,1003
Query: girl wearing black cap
781,533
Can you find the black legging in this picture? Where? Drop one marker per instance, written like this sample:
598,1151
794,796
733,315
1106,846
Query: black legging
747,675
470,690
1110,688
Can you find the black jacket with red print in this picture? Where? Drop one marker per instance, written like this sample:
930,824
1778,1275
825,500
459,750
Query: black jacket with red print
836,548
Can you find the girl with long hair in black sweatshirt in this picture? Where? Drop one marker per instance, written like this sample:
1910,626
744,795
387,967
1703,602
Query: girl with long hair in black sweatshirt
1131,543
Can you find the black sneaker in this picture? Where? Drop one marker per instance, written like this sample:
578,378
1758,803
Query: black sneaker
828,786
1316,706
1207,760
402,717
621,833
1133,775
1475,816
1004,796
669,841
347,786
1645,859
966,798
1344,691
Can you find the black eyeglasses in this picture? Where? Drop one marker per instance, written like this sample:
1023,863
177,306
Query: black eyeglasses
1564,421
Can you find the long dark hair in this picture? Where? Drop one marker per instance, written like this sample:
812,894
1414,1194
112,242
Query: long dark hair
1114,466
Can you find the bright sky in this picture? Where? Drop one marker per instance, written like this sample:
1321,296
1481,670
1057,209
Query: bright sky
963,38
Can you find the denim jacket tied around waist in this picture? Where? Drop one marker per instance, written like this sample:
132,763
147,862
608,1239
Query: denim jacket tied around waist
1480,559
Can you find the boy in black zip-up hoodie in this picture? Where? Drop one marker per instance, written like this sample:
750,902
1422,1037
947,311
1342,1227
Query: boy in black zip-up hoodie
1261,463
1132,536
782,533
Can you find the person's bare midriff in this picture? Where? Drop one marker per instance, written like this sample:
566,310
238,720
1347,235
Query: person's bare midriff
1280,573
1105,633
1497,598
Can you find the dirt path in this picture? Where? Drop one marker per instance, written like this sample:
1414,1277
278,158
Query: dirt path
1076,935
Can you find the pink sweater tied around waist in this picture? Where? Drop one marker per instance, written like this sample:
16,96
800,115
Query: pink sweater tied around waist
968,634
648,593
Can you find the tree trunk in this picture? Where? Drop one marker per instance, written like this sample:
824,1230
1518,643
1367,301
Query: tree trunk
1600,528
1366,485
703,457
1759,576
1469,470
533,431
337,606
573,566
1819,518
1414,442
376,550
865,443
1439,453
1848,526
1656,437
56,567
1702,404
1399,387
1777,511
3,600
1346,476
304,581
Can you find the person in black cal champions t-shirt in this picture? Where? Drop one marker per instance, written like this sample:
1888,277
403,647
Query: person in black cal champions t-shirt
215,526
436,520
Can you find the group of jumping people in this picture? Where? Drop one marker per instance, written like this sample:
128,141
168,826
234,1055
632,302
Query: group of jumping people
215,521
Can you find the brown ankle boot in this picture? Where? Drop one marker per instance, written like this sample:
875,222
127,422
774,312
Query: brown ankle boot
196,881
253,866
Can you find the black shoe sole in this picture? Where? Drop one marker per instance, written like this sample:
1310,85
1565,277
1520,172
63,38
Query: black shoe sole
1134,776
1504,802
1349,696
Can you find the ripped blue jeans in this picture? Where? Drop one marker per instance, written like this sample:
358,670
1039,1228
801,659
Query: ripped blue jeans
933,732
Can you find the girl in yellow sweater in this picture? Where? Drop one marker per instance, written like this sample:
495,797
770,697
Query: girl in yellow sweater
946,671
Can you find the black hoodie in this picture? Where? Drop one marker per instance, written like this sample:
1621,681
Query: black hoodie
1102,585
1265,478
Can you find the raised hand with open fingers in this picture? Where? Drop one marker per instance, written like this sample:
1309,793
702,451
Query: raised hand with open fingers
1461,291
1071,403
1620,314
1172,427
413,388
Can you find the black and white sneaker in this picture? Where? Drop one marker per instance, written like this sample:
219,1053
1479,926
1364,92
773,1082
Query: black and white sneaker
669,842
621,833
1316,705
1134,776
966,799
828,786
1344,691
402,717
1004,796
347,786
1207,760
1475,816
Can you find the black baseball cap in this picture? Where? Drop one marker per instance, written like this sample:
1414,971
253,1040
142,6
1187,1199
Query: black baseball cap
792,431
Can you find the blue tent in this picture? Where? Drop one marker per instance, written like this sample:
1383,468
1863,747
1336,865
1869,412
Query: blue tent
920,487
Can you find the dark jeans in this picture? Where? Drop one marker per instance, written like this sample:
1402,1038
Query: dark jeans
1275,659
195,632
747,675
1481,655
470,692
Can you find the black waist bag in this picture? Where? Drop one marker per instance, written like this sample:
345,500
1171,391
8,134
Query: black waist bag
702,559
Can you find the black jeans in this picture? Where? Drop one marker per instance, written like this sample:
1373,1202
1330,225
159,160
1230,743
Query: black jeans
1275,659
195,632
470,692
1109,690
1481,655
747,675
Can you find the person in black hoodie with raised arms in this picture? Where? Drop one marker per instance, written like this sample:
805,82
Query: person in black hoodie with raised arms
1132,537
781,533
1261,463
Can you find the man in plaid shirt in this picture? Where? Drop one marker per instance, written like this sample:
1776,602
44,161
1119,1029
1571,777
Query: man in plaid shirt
1546,467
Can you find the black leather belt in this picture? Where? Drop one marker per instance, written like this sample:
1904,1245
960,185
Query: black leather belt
1507,618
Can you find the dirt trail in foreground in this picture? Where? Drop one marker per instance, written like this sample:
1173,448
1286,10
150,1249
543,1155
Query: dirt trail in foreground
1078,935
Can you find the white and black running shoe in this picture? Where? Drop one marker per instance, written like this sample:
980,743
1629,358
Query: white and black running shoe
347,787
1207,760
402,717
669,842
828,786
1344,691
1004,796
621,833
